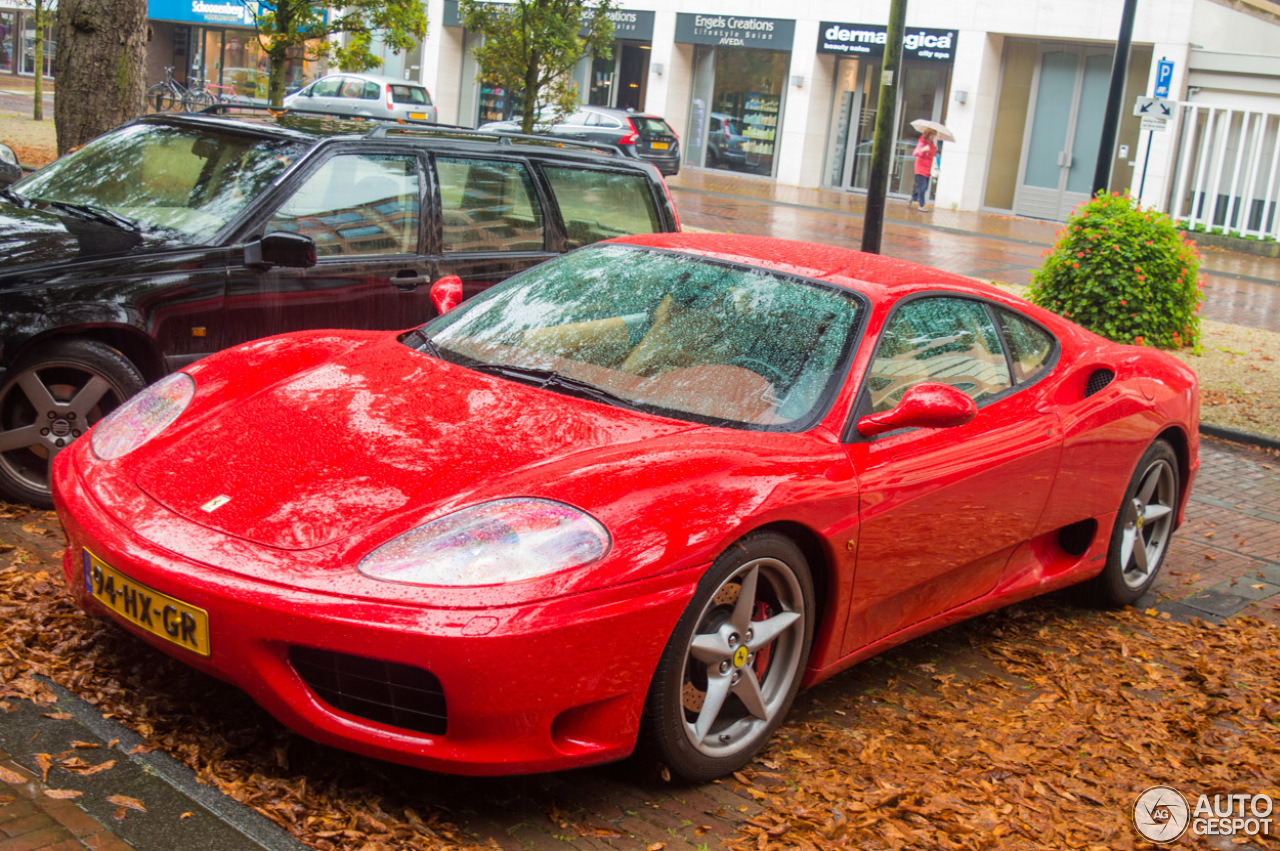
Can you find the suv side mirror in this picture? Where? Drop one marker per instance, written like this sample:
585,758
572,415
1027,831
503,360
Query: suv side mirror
281,248
446,293
926,405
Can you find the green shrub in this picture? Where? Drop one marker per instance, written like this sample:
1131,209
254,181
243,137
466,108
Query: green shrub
1125,273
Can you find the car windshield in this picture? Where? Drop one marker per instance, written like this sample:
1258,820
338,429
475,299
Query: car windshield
191,180
696,338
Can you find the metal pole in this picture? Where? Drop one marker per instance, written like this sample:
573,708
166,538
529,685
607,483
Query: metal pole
882,145
1111,119
1151,134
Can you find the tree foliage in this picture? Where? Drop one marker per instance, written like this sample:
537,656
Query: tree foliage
302,27
532,46
100,66
1125,273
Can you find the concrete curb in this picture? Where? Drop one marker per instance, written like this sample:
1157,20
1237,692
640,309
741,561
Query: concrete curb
181,812
1235,436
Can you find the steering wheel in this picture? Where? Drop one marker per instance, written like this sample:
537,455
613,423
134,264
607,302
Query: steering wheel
764,369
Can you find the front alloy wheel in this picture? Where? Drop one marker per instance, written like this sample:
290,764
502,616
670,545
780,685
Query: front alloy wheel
733,665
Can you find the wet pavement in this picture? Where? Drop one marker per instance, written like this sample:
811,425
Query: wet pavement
1240,289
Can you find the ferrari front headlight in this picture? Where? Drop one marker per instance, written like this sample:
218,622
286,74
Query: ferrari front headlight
142,417
506,540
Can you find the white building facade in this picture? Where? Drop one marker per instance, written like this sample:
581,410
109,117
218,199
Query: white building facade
1023,84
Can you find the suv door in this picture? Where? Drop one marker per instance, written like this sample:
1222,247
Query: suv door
492,222
364,212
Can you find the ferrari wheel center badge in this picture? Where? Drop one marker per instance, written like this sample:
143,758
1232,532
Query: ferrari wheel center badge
740,656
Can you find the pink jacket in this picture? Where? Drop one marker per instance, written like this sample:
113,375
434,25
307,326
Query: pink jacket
924,154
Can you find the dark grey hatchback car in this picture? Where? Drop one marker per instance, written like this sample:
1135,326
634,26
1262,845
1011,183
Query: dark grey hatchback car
637,134
175,236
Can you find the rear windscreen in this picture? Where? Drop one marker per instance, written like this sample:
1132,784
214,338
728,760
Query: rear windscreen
410,94
647,126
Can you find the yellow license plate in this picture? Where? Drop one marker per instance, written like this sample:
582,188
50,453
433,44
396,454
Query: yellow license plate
658,146
159,614
418,116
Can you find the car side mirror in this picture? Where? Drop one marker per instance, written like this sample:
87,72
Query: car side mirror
446,293
281,248
926,405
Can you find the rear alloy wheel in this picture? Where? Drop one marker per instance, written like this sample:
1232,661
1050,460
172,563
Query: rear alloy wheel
52,396
1143,529
733,664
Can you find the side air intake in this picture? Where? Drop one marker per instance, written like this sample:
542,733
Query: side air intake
1099,379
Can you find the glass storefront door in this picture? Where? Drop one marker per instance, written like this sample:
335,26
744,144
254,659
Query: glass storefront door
7,21
922,94
1061,150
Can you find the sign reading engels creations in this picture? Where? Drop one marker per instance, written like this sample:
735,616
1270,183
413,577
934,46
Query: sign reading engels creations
869,39
732,31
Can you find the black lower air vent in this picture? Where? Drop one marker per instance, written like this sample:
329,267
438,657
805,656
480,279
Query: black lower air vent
387,692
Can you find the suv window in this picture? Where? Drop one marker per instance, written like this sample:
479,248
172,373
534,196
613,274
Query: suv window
487,205
596,205
356,204
371,91
351,88
948,340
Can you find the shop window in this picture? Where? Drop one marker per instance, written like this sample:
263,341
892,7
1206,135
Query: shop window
7,22
746,106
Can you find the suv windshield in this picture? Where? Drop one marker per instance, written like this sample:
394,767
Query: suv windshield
698,338
191,180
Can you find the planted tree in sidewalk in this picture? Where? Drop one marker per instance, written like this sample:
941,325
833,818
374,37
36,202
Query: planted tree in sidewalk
40,11
1125,273
100,67
306,28
532,46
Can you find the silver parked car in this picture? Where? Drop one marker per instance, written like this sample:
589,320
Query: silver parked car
366,96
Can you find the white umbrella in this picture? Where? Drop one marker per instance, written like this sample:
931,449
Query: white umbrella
944,132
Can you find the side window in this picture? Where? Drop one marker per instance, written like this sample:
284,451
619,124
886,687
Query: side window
597,205
351,88
486,205
327,88
356,204
371,91
947,340
1030,347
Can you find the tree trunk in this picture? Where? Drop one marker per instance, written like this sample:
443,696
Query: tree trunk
37,56
100,67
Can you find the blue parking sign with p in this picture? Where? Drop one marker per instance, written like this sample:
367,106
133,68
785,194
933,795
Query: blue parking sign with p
1164,76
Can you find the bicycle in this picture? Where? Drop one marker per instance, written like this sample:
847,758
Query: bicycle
169,95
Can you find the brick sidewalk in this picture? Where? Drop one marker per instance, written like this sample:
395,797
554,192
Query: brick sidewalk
30,821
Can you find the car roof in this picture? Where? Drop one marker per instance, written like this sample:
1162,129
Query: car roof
377,78
873,274
312,127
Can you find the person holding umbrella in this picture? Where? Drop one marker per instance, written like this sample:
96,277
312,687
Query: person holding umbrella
925,152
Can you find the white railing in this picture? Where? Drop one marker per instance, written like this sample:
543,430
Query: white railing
1227,173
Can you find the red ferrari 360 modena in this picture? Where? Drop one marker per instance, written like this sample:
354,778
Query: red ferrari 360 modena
638,495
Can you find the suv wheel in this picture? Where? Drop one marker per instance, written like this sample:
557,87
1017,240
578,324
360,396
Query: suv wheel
50,397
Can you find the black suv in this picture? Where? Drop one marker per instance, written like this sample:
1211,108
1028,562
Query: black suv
175,236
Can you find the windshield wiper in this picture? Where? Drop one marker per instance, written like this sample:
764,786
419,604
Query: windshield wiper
418,340
14,198
549,378
96,214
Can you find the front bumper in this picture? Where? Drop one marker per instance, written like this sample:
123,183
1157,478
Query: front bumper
537,687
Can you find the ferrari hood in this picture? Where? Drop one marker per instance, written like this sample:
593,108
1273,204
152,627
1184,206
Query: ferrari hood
339,447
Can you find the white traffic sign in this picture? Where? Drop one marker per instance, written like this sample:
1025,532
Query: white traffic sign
1155,125
1146,107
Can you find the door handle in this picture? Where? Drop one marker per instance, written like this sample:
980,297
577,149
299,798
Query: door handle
1062,158
407,281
